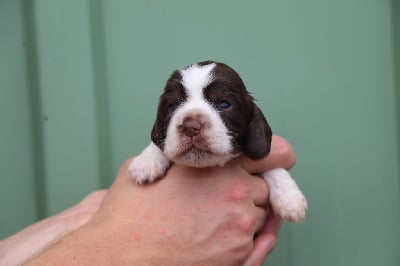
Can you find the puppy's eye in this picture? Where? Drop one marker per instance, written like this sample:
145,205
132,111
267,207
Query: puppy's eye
171,106
224,105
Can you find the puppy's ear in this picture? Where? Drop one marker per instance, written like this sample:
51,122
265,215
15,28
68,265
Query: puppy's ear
159,132
258,137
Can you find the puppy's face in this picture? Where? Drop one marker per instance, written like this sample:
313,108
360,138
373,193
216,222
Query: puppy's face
206,117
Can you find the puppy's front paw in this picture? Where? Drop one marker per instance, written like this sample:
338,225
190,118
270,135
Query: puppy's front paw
286,198
149,166
290,205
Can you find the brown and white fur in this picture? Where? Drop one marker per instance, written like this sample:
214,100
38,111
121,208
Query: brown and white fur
205,118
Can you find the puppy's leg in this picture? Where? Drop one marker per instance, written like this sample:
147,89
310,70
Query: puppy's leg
149,166
285,197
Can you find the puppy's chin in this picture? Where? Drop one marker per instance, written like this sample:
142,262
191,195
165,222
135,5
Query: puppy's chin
196,157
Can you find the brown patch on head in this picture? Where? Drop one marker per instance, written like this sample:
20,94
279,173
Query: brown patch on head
174,94
248,127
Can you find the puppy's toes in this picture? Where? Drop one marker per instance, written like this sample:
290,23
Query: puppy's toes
290,205
139,173
144,171
286,198
149,166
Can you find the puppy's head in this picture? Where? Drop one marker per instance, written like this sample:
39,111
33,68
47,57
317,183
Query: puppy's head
206,117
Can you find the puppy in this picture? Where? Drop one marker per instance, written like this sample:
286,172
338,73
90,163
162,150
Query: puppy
205,118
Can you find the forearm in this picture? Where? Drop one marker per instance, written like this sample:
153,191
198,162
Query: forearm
27,242
19,247
98,245
84,246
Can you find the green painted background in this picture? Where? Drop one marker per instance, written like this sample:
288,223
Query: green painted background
79,82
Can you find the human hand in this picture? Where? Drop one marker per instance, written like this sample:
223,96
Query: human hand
24,244
192,216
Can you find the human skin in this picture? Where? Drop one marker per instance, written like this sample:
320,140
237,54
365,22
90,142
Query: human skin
192,216
22,245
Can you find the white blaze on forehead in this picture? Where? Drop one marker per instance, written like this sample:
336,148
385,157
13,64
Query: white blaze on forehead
195,78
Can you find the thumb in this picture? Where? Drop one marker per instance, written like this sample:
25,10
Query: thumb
263,246
281,156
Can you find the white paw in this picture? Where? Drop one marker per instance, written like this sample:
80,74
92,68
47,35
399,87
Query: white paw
289,205
286,199
149,166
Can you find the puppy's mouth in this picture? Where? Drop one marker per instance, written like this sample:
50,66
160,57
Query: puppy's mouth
196,146
197,157
194,153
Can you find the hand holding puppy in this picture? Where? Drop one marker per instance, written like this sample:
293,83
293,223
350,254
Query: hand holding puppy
191,217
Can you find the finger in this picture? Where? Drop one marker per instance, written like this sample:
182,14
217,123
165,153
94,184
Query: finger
272,225
262,247
260,192
281,156
260,215
265,240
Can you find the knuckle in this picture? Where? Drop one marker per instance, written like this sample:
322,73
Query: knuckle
247,224
238,193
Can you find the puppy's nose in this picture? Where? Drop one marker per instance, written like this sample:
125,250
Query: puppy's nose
191,127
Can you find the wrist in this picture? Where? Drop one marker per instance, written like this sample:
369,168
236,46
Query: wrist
95,243
27,242
82,246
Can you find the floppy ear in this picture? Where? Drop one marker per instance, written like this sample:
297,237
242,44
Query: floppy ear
159,131
257,143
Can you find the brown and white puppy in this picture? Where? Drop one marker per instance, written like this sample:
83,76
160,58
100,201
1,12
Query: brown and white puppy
205,118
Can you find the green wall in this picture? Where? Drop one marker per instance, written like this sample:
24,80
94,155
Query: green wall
79,83
18,206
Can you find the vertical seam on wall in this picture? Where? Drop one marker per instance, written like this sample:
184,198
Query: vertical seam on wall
396,69
395,5
36,117
102,109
